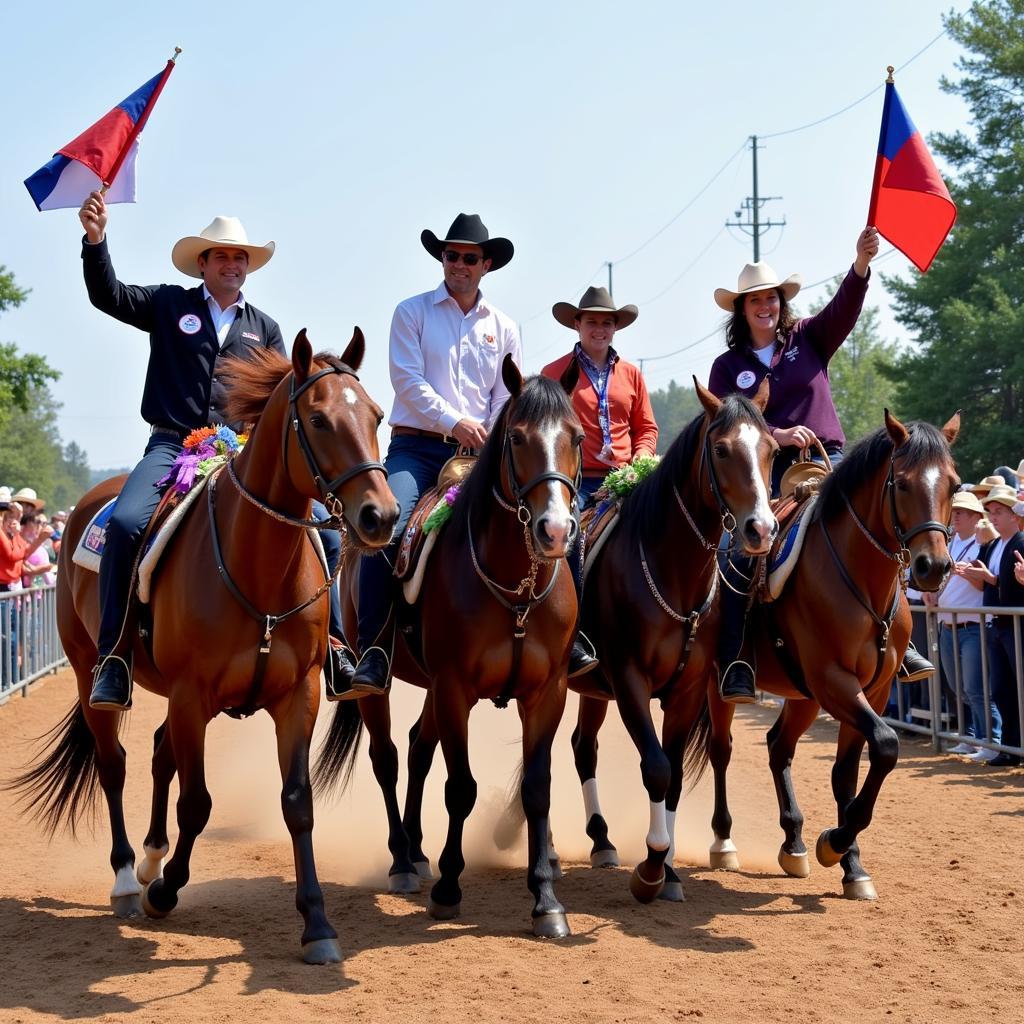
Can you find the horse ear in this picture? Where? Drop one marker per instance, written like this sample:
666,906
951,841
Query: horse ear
897,431
570,376
302,356
709,401
353,354
760,398
952,427
511,376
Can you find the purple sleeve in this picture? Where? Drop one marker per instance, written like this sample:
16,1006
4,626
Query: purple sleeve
718,382
830,327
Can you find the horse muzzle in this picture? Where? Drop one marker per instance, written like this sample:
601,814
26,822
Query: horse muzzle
929,571
375,523
757,533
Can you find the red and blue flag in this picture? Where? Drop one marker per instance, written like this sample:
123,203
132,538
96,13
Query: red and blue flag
910,204
103,156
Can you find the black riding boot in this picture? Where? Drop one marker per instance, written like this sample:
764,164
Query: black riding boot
582,657
338,670
736,674
373,673
915,666
112,683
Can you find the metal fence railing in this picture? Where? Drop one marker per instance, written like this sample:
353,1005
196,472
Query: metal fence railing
29,644
968,699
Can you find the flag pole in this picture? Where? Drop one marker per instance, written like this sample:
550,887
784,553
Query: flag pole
877,182
141,123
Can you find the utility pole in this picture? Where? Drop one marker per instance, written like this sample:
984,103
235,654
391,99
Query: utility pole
753,225
610,277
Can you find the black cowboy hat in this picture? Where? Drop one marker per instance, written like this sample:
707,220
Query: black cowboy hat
595,300
469,229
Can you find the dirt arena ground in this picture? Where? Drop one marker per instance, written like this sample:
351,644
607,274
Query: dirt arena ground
943,943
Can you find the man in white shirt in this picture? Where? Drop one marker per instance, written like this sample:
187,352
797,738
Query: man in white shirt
446,350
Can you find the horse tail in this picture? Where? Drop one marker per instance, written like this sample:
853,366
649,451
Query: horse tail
336,758
509,826
62,787
696,754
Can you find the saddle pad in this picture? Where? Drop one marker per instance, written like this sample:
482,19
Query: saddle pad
90,545
786,552
411,586
412,538
597,528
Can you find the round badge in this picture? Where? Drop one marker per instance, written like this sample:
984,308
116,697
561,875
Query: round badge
191,324
743,381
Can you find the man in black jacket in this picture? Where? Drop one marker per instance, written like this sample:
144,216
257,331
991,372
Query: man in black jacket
191,331
994,567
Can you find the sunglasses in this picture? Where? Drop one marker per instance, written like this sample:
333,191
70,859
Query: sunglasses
471,259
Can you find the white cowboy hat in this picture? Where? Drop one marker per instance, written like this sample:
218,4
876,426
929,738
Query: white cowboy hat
757,277
5,497
26,496
1004,495
223,233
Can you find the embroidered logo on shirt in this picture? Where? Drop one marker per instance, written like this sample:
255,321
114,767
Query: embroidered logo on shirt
745,379
489,338
792,353
190,324
250,336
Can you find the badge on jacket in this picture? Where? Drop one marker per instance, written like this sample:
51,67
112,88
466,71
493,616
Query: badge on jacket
250,336
745,379
489,338
190,324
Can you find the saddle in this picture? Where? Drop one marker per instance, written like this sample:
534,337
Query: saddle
794,513
596,524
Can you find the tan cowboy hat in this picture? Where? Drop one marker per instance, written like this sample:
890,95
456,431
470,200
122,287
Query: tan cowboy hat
1004,495
223,233
595,300
26,496
757,277
1020,470
968,501
987,484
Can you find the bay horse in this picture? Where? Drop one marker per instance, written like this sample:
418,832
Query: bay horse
239,622
649,604
837,634
495,621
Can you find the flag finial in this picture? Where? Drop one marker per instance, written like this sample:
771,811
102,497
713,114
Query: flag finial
888,81
177,50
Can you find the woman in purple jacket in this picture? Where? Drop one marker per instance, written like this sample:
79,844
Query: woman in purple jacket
765,339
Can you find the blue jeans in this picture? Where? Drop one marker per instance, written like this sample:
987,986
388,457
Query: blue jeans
968,641
413,464
8,642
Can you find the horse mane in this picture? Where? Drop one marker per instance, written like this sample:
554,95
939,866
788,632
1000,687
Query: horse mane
252,380
541,400
925,444
643,511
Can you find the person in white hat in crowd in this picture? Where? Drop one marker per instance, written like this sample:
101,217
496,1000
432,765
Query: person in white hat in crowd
995,569
191,331
29,500
764,338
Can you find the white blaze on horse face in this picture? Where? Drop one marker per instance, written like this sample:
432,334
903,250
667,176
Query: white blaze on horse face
557,515
749,436
931,480
657,835
349,395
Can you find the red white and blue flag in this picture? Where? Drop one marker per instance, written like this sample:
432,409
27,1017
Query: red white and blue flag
102,156
910,204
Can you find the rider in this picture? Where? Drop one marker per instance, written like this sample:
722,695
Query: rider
766,339
190,332
446,350
612,403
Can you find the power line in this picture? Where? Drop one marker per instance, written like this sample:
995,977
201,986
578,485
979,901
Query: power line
689,266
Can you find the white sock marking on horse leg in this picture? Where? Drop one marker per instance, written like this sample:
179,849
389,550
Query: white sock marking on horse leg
125,882
153,866
657,836
591,804
670,822
723,845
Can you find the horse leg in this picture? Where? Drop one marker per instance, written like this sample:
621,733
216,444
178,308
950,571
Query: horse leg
422,744
541,714
376,714
451,706
156,845
857,882
796,718
584,748
634,703
294,718
723,853
186,724
673,742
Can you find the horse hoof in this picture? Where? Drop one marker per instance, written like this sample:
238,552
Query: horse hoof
644,891
441,912
672,893
556,870
725,860
321,951
796,865
404,883
860,889
127,906
423,870
827,856
551,926
152,911
605,858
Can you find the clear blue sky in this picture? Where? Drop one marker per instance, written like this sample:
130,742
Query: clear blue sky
341,131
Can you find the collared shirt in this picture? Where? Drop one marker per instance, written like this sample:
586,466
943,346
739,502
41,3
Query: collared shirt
446,365
222,318
958,593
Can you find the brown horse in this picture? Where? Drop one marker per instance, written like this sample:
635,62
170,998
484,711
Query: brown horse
239,622
840,628
477,635
649,603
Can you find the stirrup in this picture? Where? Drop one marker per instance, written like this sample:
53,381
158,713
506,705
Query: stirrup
111,697
338,680
368,688
734,685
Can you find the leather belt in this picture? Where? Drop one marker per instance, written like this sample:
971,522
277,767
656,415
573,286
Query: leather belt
160,428
401,431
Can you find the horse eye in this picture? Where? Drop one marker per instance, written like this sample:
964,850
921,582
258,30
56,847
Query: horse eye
317,421
721,451
516,438
901,485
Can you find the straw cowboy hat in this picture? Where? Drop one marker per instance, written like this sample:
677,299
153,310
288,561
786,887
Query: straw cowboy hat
1004,495
222,233
1020,470
469,229
757,277
26,496
987,484
595,300
967,501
